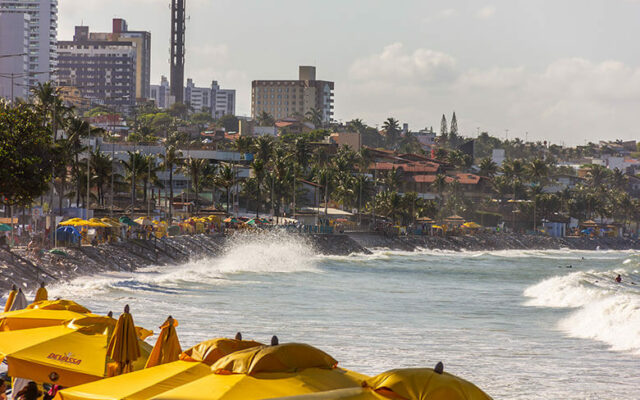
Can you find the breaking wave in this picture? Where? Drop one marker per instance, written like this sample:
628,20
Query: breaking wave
603,309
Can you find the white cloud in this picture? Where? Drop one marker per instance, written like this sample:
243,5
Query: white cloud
568,100
485,12
422,65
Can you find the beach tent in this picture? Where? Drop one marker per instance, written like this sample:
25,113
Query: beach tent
68,234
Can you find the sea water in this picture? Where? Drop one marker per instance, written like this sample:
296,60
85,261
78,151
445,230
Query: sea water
519,324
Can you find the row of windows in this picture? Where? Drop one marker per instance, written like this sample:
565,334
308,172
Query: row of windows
286,90
273,103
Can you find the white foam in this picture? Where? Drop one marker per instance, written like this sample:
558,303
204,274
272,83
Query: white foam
605,310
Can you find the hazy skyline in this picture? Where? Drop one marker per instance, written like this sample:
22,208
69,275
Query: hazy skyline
563,71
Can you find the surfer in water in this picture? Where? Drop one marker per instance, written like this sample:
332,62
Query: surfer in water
618,278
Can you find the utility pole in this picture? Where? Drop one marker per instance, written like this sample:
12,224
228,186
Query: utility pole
88,177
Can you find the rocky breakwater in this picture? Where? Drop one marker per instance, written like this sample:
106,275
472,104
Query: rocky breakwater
492,241
26,268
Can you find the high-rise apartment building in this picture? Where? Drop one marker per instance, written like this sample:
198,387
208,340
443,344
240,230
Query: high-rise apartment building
120,33
14,54
103,71
43,32
218,101
162,94
282,99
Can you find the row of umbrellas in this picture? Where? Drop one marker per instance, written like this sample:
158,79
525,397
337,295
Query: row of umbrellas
97,357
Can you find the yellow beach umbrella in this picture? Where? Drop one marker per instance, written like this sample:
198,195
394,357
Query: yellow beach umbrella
41,294
36,318
212,350
288,357
138,385
59,304
67,355
264,385
150,382
167,348
70,222
123,346
425,383
471,225
10,298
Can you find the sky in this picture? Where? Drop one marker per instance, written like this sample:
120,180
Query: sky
565,71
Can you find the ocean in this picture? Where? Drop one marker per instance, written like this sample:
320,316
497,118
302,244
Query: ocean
519,324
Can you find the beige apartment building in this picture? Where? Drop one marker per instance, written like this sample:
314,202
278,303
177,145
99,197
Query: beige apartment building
283,99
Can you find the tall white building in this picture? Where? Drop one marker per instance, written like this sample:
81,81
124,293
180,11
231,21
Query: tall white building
14,54
223,101
218,101
43,33
162,94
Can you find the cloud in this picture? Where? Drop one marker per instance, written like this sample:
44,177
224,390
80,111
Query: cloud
485,12
421,65
568,100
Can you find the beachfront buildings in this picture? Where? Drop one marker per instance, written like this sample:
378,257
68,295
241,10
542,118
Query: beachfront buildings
214,99
289,98
120,33
103,71
28,28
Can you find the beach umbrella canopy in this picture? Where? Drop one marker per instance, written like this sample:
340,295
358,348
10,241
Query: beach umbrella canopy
194,363
41,294
167,348
139,385
230,220
69,222
59,304
212,350
425,384
143,221
5,228
123,346
30,318
471,225
58,252
264,385
289,357
67,355
10,297
69,230
128,221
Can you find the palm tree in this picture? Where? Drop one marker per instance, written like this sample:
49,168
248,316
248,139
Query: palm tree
149,170
102,168
391,128
263,148
259,171
194,168
243,144
171,158
224,178
488,168
619,179
538,171
598,175
265,119
134,168
314,116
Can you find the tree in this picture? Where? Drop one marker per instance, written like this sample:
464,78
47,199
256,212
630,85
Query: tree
171,158
229,122
259,172
488,168
178,110
26,155
134,168
194,168
538,171
265,119
454,125
444,135
315,117
224,178
263,148
392,131
101,170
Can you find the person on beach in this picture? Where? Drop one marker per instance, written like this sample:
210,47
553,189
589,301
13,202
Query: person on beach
30,392
618,278
3,389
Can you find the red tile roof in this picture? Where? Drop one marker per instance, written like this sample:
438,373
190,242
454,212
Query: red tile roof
407,167
468,179
428,179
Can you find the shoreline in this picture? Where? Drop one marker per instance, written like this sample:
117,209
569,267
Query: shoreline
26,270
